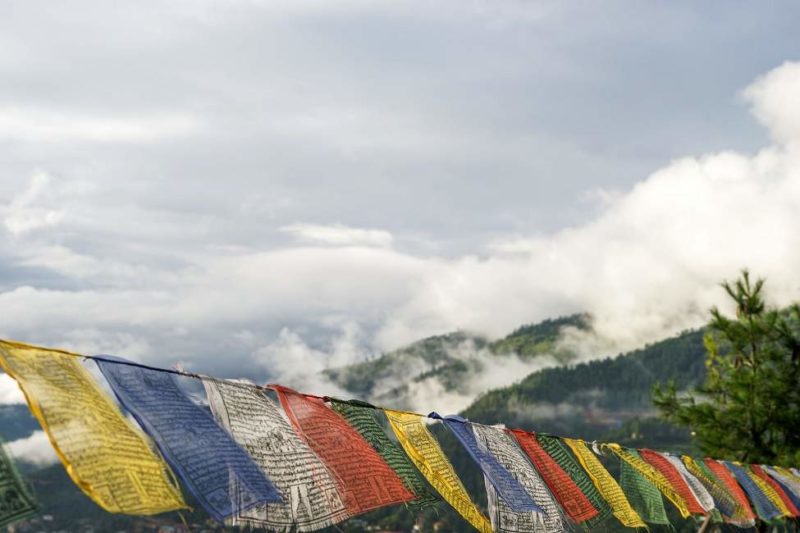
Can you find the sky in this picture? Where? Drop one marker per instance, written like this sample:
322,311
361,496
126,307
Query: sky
267,189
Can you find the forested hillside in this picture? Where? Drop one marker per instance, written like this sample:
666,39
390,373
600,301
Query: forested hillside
587,399
449,361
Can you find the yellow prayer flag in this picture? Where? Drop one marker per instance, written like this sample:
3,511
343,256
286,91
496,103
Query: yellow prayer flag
718,490
429,459
786,472
606,485
768,491
104,454
653,476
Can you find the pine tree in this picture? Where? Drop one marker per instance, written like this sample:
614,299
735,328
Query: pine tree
748,408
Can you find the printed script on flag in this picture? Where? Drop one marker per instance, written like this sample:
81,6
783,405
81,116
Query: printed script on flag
312,499
104,454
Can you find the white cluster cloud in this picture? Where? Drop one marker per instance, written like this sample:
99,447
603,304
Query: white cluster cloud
294,362
35,449
485,371
650,264
9,391
26,213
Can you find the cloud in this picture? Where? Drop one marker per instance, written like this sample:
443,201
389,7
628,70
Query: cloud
47,125
291,361
650,264
35,449
24,213
483,371
338,235
440,186
774,100
9,391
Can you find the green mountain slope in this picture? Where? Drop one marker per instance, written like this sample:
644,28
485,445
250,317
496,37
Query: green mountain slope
448,361
588,399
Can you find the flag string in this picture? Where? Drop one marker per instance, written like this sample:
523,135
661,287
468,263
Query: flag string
241,383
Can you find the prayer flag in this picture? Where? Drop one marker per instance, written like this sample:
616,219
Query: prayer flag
363,420
668,470
366,481
789,483
311,495
787,502
724,501
608,487
217,471
645,498
427,455
768,489
105,455
651,474
698,490
501,446
568,494
507,487
765,508
725,476
16,501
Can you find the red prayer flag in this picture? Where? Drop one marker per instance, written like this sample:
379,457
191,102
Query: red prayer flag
662,464
366,481
567,493
727,478
757,470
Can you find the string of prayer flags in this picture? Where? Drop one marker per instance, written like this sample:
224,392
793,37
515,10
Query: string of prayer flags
508,488
311,495
765,509
320,461
777,489
428,457
16,501
362,419
607,485
366,481
643,495
217,471
725,476
104,454
656,478
724,501
557,449
668,470
499,444
569,496
699,491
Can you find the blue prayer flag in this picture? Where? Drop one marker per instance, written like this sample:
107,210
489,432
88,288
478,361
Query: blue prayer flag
765,509
215,469
508,487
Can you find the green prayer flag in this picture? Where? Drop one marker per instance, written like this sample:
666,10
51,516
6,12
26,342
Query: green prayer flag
16,501
363,421
643,496
561,455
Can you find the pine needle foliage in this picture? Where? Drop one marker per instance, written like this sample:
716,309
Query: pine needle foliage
748,408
